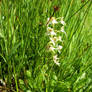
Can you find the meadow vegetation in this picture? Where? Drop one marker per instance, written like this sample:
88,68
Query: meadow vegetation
26,65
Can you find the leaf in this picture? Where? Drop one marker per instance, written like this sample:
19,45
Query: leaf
13,50
22,85
1,34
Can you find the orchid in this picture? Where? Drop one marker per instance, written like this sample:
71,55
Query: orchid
62,21
59,47
62,30
51,31
59,38
56,60
51,48
53,20
55,37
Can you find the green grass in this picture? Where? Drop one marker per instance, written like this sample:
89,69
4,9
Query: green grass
25,63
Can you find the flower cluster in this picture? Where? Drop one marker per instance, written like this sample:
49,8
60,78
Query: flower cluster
55,39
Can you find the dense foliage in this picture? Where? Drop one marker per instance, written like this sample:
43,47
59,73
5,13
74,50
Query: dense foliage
25,63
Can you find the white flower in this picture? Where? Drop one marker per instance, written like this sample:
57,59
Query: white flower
62,30
53,20
52,41
59,38
51,48
51,31
62,21
56,60
55,57
59,47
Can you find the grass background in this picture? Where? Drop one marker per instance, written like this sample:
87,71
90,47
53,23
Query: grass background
26,66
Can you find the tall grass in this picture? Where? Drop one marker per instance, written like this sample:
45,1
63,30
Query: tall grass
25,65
